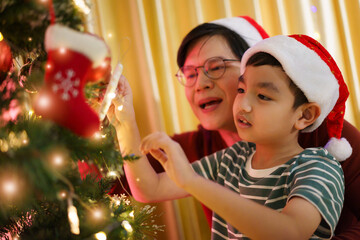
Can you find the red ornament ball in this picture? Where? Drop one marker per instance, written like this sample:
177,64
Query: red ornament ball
5,59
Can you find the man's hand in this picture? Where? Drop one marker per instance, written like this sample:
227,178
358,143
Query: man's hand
122,109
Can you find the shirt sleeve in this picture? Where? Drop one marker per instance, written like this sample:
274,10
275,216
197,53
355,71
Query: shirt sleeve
320,180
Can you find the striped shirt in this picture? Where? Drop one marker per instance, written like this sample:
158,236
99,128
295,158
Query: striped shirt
314,175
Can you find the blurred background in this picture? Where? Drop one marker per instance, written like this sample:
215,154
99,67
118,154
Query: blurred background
144,36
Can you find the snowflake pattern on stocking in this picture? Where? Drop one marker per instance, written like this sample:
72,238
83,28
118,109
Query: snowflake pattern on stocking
68,84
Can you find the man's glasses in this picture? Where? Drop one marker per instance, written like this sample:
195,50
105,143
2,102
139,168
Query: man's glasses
213,68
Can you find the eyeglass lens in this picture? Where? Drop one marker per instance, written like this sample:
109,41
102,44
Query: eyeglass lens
213,68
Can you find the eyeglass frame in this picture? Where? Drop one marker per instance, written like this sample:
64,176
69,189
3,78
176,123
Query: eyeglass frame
204,71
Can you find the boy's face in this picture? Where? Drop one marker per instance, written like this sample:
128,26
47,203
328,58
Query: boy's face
262,109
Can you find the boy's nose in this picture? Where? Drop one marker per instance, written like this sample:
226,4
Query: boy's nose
245,104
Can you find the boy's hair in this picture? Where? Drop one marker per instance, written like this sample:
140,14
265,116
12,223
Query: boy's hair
263,58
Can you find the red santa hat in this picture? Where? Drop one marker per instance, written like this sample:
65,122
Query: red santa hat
245,26
314,71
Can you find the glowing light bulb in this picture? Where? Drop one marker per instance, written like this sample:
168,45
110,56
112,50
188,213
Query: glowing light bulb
112,174
313,9
104,64
111,95
120,107
81,4
97,214
10,187
1,37
109,35
58,160
44,102
97,135
131,214
48,66
62,50
100,236
127,226
63,194
31,112
317,36
73,220
30,39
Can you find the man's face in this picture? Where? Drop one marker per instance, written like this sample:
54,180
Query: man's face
211,100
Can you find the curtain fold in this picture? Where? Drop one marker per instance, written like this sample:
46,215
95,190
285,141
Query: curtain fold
145,35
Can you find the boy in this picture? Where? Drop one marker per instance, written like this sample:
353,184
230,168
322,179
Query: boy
274,190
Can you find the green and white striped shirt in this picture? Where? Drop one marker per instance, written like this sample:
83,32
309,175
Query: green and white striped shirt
314,175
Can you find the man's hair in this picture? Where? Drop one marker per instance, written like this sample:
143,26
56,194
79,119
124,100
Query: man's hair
263,58
236,43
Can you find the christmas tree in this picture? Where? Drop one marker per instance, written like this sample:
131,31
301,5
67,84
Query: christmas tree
49,128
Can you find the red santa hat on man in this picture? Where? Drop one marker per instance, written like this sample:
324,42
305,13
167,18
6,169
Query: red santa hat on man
245,26
314,71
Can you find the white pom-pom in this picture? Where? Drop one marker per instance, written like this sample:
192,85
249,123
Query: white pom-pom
339,148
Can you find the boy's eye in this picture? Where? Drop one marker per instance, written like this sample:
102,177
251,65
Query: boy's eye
265,98
240,90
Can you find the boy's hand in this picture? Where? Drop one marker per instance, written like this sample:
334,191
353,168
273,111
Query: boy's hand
171,156
122,109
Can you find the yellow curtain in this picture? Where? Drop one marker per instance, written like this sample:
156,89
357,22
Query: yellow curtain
145,34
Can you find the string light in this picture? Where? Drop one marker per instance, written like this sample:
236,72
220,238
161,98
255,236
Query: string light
100,236
31,112
112,95
97,135
73,218
127,226
110,35
131,214
82,6
62,50
58,160
14,141
1,37
62,194
10,187
313,9
30,39
104,64
44,101
112,174
97,213
316,35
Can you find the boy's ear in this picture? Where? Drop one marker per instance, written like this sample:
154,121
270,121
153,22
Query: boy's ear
309,112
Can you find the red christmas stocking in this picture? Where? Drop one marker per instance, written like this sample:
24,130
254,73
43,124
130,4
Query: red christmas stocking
74,58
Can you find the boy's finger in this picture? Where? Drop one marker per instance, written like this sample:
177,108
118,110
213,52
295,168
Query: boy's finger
159,155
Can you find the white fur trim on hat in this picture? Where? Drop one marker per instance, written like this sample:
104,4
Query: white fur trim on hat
305,68
58,36
242,27
339,148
